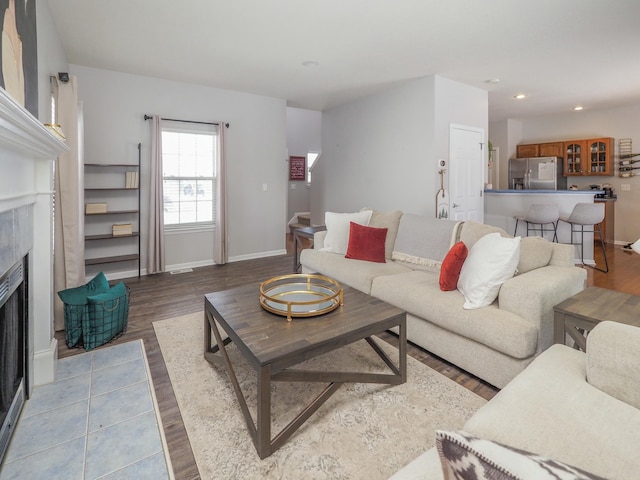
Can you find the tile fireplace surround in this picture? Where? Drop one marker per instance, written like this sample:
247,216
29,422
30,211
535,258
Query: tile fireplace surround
27,154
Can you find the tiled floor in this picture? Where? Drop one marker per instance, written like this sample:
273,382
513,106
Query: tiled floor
96,421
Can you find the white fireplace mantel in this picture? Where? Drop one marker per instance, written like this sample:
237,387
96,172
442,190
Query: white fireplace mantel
27,154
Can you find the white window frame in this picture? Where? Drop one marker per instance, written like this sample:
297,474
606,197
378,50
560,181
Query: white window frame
312,159
201,129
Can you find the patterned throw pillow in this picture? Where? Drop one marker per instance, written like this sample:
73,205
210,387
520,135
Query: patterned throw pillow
464,457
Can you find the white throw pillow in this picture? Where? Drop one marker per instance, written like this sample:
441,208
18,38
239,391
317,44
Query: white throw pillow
491,261
337,238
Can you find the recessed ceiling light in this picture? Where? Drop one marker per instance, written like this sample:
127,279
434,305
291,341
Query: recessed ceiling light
493,81
520,96
310,63
577,108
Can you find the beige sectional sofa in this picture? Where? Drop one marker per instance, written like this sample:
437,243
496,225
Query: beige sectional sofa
581,409
494,343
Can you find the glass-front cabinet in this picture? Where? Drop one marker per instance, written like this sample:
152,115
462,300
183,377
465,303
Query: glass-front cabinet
588,157
574,157
600,152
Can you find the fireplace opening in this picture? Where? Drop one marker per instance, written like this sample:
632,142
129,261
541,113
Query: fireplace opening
13,349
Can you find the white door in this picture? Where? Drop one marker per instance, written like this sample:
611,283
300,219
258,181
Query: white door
466,173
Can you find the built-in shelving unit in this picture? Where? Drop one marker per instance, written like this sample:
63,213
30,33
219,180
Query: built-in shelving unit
112,197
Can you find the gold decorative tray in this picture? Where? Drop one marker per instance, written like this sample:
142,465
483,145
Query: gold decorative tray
300,295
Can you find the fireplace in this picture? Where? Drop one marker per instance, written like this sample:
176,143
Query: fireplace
13,349
27,154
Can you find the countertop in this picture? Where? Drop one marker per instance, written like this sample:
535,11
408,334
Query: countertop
553,192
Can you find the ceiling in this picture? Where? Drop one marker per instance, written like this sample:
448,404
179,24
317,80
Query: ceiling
559,53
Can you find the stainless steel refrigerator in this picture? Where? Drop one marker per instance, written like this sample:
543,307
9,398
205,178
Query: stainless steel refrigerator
543,173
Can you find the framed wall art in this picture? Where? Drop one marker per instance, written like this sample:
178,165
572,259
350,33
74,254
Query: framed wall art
19,52
297,168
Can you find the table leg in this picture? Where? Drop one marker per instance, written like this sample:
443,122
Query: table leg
263,440
296,264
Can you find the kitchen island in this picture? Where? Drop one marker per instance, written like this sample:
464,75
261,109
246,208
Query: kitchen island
502,206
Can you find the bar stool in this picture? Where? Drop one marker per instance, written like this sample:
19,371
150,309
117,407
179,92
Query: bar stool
585,215
539,215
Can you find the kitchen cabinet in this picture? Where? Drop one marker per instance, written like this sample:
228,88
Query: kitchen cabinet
588,157
528,151
549,149
581,157
575,157
112,214
553,149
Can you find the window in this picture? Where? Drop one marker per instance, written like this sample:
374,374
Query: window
311,159
189,160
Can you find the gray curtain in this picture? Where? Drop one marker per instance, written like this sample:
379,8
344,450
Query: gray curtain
155,243
68,258
220,254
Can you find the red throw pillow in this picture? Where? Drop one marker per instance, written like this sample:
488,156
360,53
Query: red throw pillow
366,243
451,266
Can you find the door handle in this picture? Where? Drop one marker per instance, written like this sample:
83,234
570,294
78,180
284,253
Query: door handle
454,205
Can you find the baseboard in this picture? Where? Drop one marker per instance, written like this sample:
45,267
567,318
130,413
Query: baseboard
180,266
252,256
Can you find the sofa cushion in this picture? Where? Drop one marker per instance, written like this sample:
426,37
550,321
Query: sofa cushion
419,294
337,238
471,232
390,221
535,252
613,350
551,409
451,267
465,456
366,243
491,261
423,241
356,273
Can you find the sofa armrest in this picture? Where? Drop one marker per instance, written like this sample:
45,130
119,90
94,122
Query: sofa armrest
533,295
562,255
318,239
613,361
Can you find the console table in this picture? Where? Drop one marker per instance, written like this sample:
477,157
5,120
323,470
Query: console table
578,315
303,232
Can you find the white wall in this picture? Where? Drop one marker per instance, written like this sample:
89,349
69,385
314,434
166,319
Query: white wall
382,151
457,103
114,107
304,128
51,58
617,123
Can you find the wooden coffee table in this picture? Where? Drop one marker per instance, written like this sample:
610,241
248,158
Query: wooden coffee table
578,315
272,346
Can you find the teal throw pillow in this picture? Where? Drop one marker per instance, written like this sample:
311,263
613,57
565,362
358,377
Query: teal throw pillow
107,316
78,295
76,306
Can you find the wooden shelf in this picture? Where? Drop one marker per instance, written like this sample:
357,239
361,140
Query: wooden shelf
112,188
128,204
113,212
108,236
127,165
118,258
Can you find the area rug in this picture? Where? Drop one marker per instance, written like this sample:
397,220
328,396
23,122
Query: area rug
365,431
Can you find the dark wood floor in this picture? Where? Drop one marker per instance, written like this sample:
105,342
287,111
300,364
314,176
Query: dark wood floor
157,297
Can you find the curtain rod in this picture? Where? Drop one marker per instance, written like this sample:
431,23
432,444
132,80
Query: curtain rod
148,117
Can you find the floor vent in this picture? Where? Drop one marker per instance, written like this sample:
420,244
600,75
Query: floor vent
181,270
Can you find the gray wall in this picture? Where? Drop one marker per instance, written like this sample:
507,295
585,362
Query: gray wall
304,129
382,151
114,107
